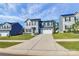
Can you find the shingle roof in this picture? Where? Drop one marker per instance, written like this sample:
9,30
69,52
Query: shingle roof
34,19
47,20
9,23
68,15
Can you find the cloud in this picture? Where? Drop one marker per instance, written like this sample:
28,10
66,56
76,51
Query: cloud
20,12
10,18
34,8
10,13
45,11
39,11
45,14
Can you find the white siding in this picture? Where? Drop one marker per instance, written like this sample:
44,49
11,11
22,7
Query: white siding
67,23
34,24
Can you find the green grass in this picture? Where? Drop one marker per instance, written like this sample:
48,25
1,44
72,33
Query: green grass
7,44
18,37
70,45
66,36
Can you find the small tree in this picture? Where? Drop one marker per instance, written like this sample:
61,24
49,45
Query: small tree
76,27
56,26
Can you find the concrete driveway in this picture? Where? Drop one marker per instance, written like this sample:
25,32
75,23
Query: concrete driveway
42,44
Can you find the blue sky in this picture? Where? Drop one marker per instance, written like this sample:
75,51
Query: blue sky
21,11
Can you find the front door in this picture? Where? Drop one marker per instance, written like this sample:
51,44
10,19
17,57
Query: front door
33,30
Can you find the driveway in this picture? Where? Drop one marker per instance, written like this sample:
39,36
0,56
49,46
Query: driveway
42,44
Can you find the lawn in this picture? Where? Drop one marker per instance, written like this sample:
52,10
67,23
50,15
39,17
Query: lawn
7,44
18,37
66,36
70,45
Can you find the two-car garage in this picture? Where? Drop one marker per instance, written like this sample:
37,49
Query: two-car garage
47,31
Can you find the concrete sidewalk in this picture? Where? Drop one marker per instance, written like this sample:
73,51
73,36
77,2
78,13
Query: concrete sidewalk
33,53
13,40
66,40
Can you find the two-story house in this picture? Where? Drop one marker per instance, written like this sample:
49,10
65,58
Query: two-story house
67,20
10,29
36,26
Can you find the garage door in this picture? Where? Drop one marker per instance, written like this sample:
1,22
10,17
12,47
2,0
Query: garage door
47,31
4,34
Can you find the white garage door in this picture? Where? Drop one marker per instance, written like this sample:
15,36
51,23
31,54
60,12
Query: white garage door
4,34
47,31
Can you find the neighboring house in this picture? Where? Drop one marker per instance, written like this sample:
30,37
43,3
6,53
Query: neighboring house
36,26
67,20
10,29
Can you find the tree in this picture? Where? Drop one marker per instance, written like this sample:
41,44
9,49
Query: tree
76,27
56,26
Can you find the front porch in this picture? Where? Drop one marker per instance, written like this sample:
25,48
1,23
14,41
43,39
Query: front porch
31,31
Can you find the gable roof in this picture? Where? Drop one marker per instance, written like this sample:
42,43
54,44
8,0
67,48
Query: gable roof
4,23
36,19
9,23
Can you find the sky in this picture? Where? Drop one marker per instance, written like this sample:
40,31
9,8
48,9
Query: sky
19,12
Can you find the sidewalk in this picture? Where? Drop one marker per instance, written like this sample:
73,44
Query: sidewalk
8,52
33,52
66,40
12,40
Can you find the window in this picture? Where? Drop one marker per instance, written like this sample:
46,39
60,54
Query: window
29,23
26,24
4,27
42,23
7,27
47,23
69,18
32,22
67,26
65,19
0,27
35,23
26,30
75,19
51,23
29,30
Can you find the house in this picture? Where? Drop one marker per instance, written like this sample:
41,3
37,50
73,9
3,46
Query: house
10,29
36,26
67,20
